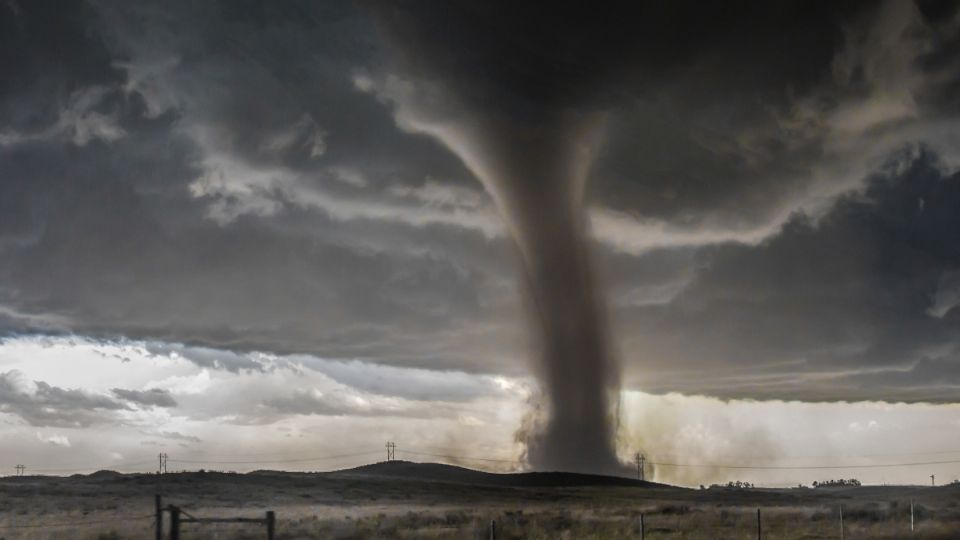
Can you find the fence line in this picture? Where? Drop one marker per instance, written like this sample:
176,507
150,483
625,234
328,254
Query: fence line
75,523
269,521
179,517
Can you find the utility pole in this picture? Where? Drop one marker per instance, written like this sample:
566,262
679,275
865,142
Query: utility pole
391,450
20,469
640,459
162,469
932,478
760,526
174,522
841,522
158,521
911,516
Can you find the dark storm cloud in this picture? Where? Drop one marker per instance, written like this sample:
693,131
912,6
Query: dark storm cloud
40,404
853,305
524,59
734,141
139,215
149,398
238,176
520,93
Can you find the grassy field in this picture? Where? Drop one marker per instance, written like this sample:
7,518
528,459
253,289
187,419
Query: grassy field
429,501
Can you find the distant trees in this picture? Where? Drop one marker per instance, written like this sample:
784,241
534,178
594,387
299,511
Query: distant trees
852,482
732,485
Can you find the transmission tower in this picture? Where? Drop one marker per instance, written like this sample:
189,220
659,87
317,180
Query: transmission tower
391,450
20,469
163,463
640,459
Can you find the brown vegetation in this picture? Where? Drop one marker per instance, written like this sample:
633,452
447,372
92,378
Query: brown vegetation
436,502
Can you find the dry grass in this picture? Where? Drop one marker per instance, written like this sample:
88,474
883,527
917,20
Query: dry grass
355,508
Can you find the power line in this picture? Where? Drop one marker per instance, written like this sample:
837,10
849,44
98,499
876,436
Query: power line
721,466
883,454
456,457
99,467
465,458
81,465
292,455
253,462
282,456
807,467
166,458
88,467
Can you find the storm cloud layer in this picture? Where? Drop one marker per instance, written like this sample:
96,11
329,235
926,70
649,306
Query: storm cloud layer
773,203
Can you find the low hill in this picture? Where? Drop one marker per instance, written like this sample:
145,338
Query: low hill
437,472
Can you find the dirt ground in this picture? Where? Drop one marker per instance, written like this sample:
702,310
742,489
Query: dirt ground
418,502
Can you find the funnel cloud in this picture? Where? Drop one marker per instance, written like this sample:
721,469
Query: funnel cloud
537,174
519,93
531,146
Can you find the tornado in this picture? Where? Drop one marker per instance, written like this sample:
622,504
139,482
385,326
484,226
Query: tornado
537,176
513,117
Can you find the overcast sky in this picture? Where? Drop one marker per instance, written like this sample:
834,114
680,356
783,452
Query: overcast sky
223,235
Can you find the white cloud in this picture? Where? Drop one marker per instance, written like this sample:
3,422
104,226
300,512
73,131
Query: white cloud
78,122
636,235
151,79
56,440
303,134
439,194
238,187
349,176
469,420
184,384
947,296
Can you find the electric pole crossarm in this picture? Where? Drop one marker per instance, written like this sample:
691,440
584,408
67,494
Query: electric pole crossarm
640,459
391,450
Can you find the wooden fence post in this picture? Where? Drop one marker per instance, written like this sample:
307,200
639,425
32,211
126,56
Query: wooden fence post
759,527
159,513
642,532
841,522
174,523
271,524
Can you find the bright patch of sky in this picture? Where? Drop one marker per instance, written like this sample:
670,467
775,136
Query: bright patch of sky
291,411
